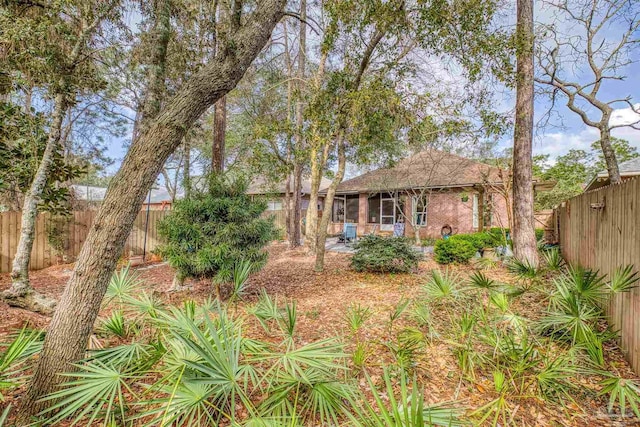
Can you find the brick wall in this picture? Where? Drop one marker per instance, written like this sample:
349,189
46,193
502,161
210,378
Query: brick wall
445,207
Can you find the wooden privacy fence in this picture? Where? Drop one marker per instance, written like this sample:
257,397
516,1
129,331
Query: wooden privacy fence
59,240
601,230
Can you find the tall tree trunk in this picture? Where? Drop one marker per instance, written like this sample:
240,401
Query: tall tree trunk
287,206
318,162
294,236
608,151
328,204
72,323
295,217
524,237
311,221
219,135
21,294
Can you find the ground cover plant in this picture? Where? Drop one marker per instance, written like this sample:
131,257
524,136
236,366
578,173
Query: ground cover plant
385,255
459,345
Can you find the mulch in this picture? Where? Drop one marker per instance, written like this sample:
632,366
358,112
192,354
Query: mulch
321,301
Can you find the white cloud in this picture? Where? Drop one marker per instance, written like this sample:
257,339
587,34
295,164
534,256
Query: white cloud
625,116
558,143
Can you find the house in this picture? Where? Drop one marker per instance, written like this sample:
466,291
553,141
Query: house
275,192
90,197
628,169
426,191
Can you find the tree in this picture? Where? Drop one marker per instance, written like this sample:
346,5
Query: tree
598,38
381,41
71,325
208,234
23,139
573,170
621,148
524,237
73,71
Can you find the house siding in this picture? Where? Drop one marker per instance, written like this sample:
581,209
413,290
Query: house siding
446,207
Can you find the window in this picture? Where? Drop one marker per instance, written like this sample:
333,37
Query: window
419,210
337,215
487,214
274,205
373,211
352,208
345,208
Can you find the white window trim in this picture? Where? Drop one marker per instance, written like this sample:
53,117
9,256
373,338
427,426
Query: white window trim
414,212
476,216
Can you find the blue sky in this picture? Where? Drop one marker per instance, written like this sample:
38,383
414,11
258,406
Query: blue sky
565,130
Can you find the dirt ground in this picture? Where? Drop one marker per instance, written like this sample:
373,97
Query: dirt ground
323,298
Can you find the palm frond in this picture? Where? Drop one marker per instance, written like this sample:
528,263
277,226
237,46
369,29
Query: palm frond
124,284
442,286
97,392
623,279
624,392
402,406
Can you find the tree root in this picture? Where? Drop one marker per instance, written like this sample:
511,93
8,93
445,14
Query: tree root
29,299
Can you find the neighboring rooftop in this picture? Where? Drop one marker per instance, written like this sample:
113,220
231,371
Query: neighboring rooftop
90,193
261,185
627,169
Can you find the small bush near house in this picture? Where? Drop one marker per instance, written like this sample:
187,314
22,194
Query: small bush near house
498,234
385,255
454,250
429,241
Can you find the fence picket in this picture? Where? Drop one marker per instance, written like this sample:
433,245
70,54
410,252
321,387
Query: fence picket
604,239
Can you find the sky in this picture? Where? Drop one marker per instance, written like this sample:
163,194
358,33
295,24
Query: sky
564,130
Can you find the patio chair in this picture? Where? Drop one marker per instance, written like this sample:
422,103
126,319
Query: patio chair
348,234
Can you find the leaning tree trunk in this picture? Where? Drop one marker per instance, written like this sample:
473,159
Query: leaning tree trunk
328,205
72,323
524,238
21,294
608,151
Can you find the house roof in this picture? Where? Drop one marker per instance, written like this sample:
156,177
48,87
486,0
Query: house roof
96,194
260,185
627,169
430,168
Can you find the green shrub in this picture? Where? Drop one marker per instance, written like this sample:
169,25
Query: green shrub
539,234
429,241
479,241
497,234
211,232
454,250
385,255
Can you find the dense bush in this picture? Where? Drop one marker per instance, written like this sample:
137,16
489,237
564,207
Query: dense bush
456,249
209,233
497,234
385,255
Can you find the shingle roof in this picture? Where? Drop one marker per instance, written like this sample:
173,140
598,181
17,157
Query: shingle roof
96,194
430,168
260,185
629,167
